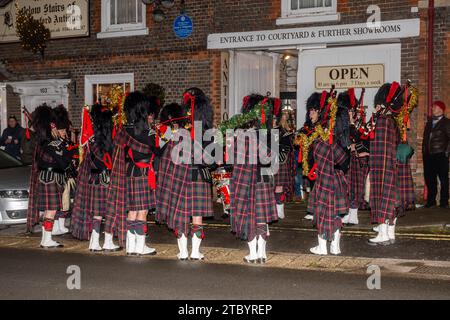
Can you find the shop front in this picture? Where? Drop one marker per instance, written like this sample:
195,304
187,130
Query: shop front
304,60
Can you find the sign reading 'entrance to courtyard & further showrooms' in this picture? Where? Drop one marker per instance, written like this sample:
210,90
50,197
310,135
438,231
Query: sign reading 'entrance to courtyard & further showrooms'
395,29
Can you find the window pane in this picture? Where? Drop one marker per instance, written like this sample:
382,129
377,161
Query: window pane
103,92
328,3
126,11
139,6
294,4
319,3
112,6
307,4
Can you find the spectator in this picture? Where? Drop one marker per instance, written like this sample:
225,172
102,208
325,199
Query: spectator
436,149
12,137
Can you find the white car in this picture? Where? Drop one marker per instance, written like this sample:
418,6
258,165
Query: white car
14,190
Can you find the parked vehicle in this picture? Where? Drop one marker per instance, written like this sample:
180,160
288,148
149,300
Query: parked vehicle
14,190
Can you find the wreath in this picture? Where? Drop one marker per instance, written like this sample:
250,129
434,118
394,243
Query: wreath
33,34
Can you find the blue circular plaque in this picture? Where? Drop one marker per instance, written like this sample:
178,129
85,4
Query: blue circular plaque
183,26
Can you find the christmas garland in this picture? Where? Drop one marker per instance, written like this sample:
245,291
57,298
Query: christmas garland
32,33
402,119
117,102
305,141
258,113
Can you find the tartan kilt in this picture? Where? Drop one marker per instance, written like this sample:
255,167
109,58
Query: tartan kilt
384,194
49,195
96,199
173,195
406,186
201,195
285,177
265,203
139,194
329,198
356,177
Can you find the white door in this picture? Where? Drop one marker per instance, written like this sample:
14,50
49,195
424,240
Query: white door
387,54
53,92
252,73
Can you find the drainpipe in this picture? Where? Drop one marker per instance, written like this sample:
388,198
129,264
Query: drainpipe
430,54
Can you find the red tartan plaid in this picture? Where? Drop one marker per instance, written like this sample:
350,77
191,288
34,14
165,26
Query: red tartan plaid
251,202
81,224
285,177
116,214
178,197
139,194
406,186
265,203
384,195
356,177
90,199
49,196
33,211
201,195
329,197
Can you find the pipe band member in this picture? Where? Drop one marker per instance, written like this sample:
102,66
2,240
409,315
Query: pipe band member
185,194
51,161
253,203
94,179
328,199
133,177
388,190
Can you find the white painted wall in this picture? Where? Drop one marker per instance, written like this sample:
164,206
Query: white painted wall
34,93
387,54
252,73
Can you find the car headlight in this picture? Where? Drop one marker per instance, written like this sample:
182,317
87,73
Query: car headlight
14,194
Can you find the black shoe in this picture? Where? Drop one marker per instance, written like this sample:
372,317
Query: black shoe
430,204
444,206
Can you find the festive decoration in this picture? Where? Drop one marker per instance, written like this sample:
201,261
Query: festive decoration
305,141
117,103
240,120
32,33
402,120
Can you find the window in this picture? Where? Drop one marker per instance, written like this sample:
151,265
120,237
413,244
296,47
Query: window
310,6
308,11
98,88
123,18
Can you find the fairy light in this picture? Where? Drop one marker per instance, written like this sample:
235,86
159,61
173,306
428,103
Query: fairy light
32,33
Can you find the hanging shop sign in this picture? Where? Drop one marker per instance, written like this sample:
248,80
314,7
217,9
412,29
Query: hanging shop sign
351,76
64,18
395,29
183,26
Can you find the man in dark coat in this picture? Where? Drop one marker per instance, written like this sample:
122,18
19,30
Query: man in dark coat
436,149
12,137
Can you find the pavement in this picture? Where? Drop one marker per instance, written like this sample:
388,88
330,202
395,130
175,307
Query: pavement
41,274
422,249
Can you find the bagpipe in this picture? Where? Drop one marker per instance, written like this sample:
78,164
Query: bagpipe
401,116
28,117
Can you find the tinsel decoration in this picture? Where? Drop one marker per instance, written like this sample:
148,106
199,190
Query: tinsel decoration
117,103
240,120
402,119
306,141
32,33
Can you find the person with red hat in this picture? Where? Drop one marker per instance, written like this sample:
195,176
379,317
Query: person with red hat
436,150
